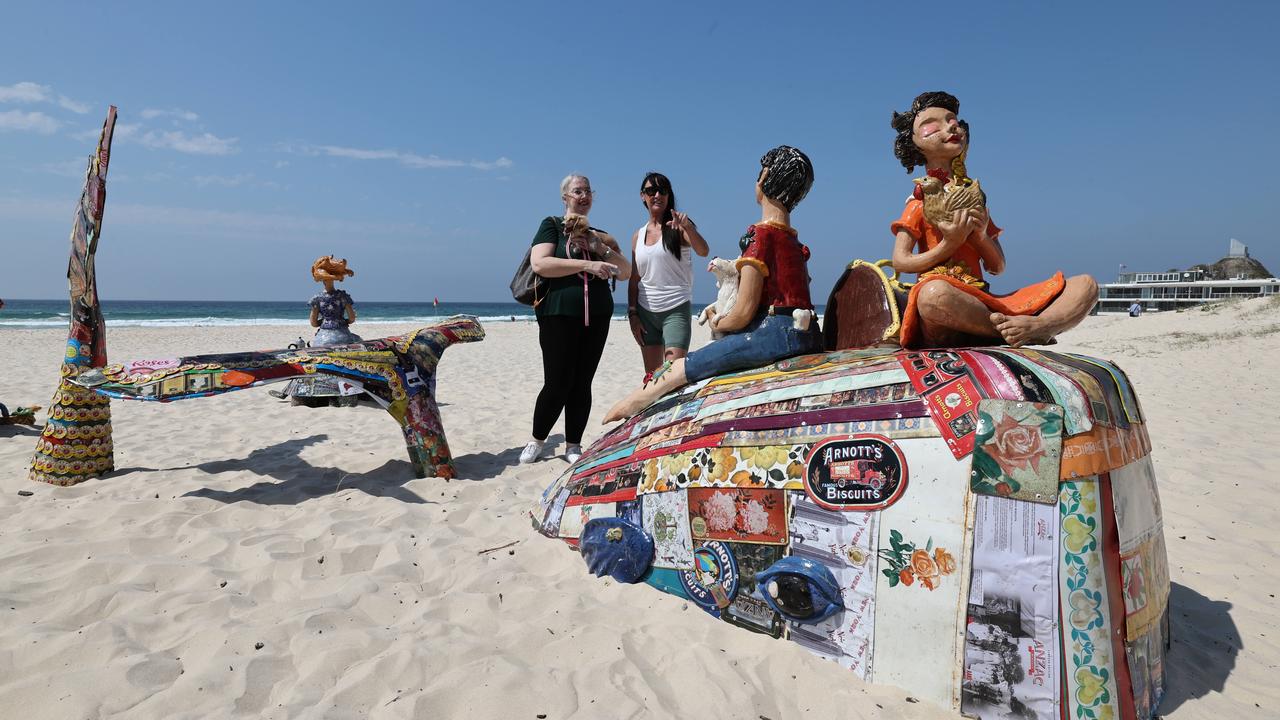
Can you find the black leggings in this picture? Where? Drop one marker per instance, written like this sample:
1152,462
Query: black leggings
570,354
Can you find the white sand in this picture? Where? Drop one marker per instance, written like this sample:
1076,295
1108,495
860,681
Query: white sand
241,520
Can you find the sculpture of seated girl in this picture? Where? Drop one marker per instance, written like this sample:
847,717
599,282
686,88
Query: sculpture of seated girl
332,311
946,235
773,283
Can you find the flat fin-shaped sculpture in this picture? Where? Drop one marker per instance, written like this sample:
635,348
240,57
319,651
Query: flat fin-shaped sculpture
399,372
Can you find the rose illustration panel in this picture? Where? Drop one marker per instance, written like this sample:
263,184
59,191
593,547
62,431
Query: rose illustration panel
922,579
1018,451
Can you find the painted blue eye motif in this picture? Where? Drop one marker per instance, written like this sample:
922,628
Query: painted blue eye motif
617,548
800,590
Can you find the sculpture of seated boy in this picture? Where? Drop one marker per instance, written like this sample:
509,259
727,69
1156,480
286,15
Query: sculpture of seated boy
773,283
950,304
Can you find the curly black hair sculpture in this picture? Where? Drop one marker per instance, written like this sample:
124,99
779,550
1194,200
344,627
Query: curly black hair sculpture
904,148
790,175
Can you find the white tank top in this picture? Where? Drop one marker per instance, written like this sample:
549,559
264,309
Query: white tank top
665,282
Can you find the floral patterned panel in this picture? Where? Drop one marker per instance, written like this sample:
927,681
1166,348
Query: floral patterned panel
1088,660
1018,452
773,466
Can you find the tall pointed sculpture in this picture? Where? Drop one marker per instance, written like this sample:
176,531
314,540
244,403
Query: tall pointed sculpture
76,443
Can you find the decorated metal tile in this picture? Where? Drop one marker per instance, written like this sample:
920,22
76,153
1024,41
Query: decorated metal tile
665,517
740,515
1018,450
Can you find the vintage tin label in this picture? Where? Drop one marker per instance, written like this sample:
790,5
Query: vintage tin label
713,581
855,472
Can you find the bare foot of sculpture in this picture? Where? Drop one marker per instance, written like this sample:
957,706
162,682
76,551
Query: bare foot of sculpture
1019,330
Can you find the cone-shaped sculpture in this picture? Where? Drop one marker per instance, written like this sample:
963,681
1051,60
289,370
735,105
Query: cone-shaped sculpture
76,443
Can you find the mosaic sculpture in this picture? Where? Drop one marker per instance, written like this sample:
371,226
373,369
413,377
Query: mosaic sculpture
399,373
75,444
978,526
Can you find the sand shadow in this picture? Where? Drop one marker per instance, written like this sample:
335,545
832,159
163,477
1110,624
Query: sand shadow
17,430
1206,644
486,465
295,480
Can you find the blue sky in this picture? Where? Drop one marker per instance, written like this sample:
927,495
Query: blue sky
425,141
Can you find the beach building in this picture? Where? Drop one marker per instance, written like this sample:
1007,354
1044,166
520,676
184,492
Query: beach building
1235,276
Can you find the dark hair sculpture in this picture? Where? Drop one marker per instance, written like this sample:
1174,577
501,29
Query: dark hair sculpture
904,148
790,175
670,238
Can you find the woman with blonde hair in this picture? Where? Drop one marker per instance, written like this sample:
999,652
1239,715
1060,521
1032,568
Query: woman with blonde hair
578,263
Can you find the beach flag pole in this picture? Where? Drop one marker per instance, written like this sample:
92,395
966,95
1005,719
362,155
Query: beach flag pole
75,444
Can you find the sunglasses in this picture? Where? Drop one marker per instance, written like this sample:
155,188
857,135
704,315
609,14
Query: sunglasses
652,191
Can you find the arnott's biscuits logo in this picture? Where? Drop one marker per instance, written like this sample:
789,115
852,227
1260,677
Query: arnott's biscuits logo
856,472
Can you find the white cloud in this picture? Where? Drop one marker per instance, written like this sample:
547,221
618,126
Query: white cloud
24,92
176,114
29,92
193,144
28,121
67,103
407,159
202,144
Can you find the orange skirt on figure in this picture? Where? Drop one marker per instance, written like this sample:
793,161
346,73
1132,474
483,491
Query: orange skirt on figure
964,272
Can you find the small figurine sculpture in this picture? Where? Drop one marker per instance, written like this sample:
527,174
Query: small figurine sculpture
946,235
771,318
726,273
332,311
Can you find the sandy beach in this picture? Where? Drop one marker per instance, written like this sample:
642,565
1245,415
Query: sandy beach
254,559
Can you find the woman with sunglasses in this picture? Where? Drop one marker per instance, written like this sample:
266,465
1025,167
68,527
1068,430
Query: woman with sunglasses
772,318
661,290
573,318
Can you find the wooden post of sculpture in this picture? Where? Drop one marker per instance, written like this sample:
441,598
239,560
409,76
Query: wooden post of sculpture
76,443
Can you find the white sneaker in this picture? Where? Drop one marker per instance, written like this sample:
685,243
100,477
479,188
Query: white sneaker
530,452
572,453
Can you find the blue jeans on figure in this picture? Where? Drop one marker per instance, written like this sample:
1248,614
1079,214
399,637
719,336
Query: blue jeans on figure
765,340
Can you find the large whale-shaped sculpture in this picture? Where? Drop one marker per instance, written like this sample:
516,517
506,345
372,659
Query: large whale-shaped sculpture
979,526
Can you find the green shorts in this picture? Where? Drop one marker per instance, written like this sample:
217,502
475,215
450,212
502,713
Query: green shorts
669,328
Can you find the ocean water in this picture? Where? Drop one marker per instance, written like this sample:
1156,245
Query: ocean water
187,313
195,313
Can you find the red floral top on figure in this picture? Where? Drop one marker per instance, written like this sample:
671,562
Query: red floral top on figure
781,258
